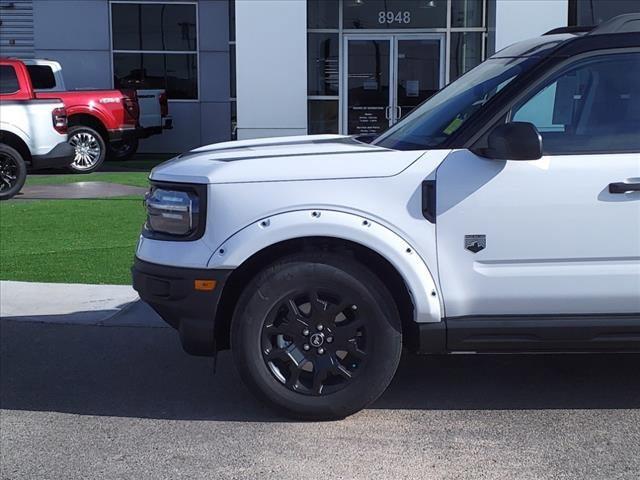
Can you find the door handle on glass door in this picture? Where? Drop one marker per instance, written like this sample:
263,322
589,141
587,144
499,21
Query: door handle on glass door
387,113
622,187
398,112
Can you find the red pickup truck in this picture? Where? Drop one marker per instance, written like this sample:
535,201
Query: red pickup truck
96,119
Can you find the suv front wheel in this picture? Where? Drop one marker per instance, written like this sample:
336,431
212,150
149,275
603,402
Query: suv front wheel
317,336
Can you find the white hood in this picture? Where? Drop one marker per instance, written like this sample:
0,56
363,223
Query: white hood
316,157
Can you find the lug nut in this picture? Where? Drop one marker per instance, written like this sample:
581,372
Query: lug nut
320,328
354,307
321,351
329,339
306,347
305,332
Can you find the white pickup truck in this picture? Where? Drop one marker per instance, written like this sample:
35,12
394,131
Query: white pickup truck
501,215
46,76
33,132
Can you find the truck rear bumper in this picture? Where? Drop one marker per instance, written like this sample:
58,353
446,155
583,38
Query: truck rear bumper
124,134
60,156
145,132
171,292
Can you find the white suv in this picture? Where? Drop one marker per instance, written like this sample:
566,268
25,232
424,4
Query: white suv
502,215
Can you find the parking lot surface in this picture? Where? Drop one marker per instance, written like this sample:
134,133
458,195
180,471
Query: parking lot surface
102,402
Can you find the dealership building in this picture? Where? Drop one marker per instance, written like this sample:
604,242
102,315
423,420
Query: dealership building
257,68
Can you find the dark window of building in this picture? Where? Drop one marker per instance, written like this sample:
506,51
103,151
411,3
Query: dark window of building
467,13
232,20
155,46
232,70
466,52
323,14
323,116
399,14
593,107
8,80
42,77
177,74
323,64
594,12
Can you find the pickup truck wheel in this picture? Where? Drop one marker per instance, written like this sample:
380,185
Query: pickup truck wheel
123,150
90,147
13,172
316,336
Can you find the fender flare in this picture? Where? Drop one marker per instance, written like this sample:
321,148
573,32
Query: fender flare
336,224
15,130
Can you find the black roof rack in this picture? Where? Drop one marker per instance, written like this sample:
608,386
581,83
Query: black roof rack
556,31
627,23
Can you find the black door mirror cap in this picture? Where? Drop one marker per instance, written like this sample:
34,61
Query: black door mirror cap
513,141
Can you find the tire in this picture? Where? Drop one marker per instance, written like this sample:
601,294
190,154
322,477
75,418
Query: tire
91,149
13,172
347,357
122,150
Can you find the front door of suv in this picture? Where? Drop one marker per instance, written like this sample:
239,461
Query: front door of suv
559,235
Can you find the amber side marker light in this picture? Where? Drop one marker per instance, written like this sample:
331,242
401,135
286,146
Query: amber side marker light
204,285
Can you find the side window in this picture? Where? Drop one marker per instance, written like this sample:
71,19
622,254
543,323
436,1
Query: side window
42,77
590,107
8,80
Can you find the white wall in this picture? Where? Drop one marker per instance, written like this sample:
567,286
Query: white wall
271,67
521,19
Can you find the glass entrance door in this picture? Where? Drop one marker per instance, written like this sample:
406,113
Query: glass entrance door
368,93
387,76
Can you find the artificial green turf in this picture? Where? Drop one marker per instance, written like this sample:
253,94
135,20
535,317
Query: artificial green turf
69,241
136,179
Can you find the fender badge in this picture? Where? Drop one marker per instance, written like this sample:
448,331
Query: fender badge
475,243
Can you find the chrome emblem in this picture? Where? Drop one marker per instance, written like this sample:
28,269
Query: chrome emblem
317,339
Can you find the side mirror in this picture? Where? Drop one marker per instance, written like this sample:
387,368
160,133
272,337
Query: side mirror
514,141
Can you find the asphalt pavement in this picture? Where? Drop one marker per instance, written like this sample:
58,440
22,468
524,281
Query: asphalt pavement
124,402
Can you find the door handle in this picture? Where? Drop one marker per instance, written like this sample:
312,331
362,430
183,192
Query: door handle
387,112
622,187
398,112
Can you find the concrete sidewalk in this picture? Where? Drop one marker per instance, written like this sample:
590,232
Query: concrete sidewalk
81,304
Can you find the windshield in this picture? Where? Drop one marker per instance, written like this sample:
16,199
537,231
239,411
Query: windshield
433,122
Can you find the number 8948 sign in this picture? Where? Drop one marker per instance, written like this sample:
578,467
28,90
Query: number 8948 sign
394,17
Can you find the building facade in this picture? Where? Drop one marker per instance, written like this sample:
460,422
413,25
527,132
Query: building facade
257,68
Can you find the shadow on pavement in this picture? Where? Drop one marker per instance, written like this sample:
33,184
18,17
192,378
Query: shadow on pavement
143,372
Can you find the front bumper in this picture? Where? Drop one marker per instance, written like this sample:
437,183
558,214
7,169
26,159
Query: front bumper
171,292
60,156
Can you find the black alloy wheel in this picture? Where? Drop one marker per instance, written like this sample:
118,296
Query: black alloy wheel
317,336
315,342
13,172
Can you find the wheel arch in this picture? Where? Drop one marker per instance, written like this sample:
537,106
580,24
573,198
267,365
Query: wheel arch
16,142
394,260
91,121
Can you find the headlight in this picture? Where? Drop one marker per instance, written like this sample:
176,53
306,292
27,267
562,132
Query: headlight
174,211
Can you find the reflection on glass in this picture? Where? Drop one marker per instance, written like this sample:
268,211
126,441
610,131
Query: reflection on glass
176,73
323,116
154,27
466,13
393,15
466,52
368,86
323,13
431,124
323,74
418,73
